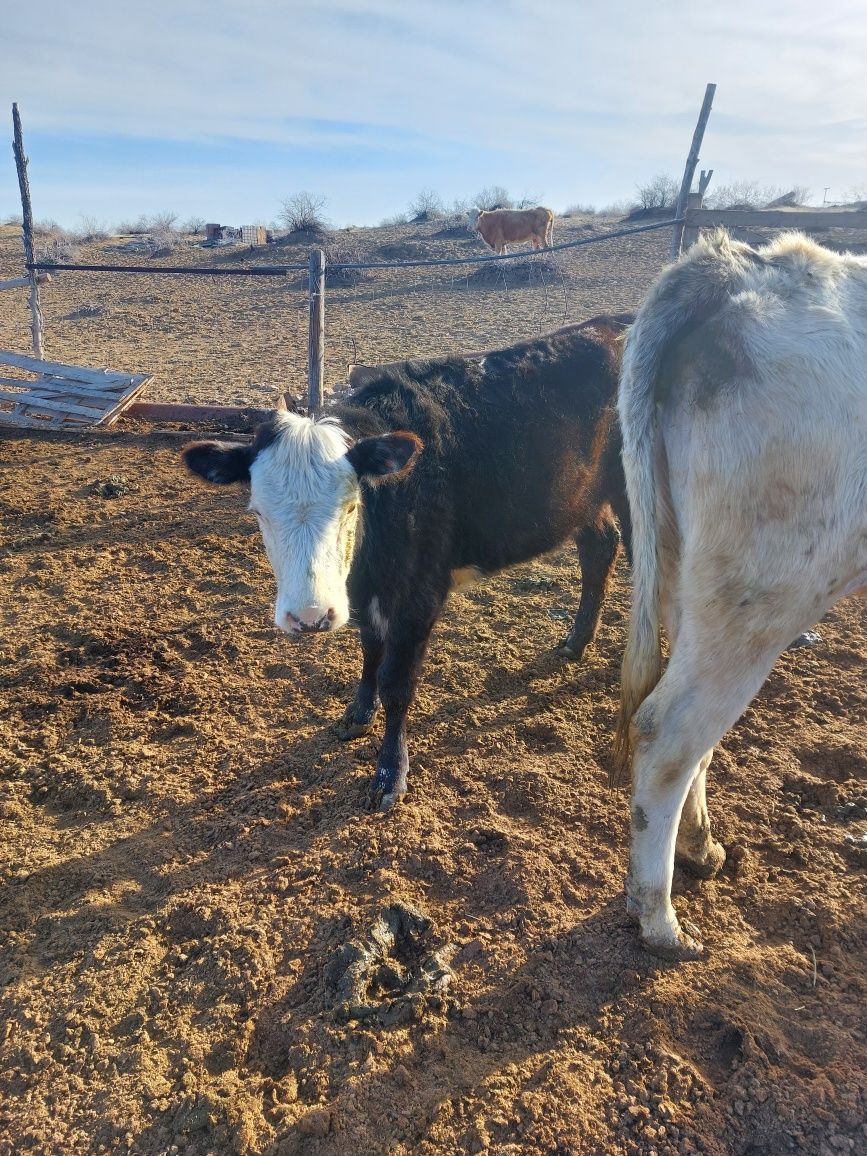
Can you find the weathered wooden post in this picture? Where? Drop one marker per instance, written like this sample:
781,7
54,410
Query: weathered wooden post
37,326
316,336
694,201
689,171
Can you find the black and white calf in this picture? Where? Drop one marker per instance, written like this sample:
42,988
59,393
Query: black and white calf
430,472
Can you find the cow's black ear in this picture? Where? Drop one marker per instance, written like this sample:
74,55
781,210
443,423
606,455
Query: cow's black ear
220,462
385,458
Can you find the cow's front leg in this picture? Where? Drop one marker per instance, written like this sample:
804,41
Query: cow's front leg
359,716
597,550
398,677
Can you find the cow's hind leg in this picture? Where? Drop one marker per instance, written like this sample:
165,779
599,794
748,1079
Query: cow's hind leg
359,716
597,551
696,851
683,717
718,664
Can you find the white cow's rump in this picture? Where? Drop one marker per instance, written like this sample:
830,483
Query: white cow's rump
743,405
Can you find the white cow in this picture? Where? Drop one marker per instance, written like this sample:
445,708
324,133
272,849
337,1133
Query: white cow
743,405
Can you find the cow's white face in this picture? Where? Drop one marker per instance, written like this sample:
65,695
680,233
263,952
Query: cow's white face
305,490
305,495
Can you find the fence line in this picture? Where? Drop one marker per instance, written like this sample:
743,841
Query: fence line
283,270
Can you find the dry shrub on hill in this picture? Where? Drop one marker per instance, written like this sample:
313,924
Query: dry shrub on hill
302,214
525,271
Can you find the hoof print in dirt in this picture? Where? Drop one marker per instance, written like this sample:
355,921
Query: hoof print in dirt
393,974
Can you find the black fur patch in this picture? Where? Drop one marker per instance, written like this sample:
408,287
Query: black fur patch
220,462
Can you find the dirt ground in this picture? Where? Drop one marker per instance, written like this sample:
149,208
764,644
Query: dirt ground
195,954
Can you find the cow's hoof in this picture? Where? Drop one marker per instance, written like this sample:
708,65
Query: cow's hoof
705,866
387,788
355,723
380,800
680,948
570,649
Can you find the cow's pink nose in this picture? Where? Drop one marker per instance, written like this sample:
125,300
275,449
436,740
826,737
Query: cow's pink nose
311,618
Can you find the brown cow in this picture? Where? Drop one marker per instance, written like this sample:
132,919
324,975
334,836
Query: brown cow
501,227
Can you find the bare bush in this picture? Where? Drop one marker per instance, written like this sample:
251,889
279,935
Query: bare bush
134,228
617,209
349,250
194,225
164,240
741,195
47,228
91,230
59,247
528,201
492,197
164,220
659,193
12,219
426,206
579,210
395,219
302,213
753,195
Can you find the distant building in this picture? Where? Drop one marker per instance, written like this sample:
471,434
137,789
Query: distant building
220,234
254,234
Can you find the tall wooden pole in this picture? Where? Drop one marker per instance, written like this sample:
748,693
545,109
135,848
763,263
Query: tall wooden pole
316,334
689,171
36,324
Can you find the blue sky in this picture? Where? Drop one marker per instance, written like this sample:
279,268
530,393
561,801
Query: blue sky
221,110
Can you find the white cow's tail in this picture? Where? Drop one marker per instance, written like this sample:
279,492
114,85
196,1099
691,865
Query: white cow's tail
686,294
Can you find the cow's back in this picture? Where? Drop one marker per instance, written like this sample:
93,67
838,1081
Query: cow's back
516,443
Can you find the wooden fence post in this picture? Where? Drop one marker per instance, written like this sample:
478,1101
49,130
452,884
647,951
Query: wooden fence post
316,335
690,232
37,325
694,201
689,171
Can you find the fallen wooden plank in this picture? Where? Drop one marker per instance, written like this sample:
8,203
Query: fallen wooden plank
34,401
125,401
54,390
24,282
28,421
171,411
68,372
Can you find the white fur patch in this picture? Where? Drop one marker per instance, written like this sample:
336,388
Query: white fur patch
306,496
377,618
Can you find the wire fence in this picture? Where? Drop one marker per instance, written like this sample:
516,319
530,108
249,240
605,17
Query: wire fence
285,270
227,345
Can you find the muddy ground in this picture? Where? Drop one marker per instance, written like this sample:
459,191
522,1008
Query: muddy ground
193,952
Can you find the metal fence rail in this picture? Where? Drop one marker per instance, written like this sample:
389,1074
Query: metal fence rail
283,270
